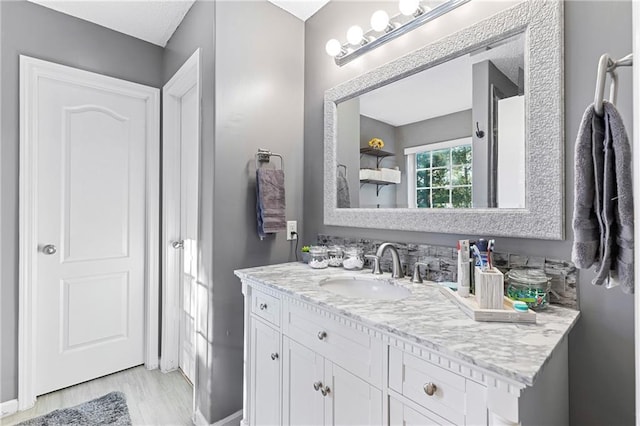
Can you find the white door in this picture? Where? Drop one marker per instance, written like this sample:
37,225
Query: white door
265,374
180,214
190,139
90,227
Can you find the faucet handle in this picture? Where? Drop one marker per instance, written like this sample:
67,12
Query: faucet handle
376,263
417,278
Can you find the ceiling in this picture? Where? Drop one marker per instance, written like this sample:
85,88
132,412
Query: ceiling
437,91
150,20
440,90
302,9
154,21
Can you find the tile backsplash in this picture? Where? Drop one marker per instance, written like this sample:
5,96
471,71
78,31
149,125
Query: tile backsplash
443,261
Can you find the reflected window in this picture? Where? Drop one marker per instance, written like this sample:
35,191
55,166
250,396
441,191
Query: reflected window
439,175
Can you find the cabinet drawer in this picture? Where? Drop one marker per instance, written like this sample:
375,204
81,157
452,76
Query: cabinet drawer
402,415
265,306
353,349
411,377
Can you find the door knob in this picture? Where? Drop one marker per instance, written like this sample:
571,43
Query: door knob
49,249
177,244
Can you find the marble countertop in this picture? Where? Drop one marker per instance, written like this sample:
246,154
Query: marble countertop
429,318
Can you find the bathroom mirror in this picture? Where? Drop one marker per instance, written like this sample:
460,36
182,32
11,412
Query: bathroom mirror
453,136
472,128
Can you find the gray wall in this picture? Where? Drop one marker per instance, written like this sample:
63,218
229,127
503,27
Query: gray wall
36,31
251,98
601,352
259,104
348,148
439,129
485,74
197,31
386,196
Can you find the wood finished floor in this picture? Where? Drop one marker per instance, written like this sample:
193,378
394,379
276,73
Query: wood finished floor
153,398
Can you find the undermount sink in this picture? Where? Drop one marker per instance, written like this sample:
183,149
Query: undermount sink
365,288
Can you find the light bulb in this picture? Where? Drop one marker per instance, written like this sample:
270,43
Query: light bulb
379,20
354,35
408,7
333,47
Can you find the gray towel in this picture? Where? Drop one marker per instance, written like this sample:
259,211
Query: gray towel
603,205
344,200
270,201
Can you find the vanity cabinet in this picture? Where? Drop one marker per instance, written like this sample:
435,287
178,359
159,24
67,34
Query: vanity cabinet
306,363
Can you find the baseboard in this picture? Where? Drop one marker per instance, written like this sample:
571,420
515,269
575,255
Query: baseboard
231,420
8,407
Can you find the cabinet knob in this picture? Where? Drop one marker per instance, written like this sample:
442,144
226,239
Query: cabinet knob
325,391
322,335
274,356
430,388
263,306
317,386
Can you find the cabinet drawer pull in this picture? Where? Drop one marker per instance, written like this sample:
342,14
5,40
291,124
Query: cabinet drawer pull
317,386
263,306
274,356
322,335
325,390
430,388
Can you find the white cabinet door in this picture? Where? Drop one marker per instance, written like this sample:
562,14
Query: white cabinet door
350,401
346,400
265,374
302,403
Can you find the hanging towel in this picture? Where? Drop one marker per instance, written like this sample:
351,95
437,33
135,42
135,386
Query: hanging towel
603,204
270,201
344,200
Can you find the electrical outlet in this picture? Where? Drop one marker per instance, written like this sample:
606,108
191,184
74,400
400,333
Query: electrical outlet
292,226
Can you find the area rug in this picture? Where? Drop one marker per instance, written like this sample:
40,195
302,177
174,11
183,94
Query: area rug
110,409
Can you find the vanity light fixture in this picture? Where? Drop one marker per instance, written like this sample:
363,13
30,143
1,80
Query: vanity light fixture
384,28
380,21
410,7
355,36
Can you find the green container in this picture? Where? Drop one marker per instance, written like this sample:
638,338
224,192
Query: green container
530,286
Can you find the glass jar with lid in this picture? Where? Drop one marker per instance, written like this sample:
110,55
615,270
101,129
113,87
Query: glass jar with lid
530,286
335,254
318,258
353,259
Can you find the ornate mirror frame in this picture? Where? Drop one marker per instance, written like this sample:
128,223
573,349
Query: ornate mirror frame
543,217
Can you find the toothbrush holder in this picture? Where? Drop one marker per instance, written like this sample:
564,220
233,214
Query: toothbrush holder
489,288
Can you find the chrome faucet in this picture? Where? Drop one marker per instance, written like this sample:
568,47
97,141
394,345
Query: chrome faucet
396,267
